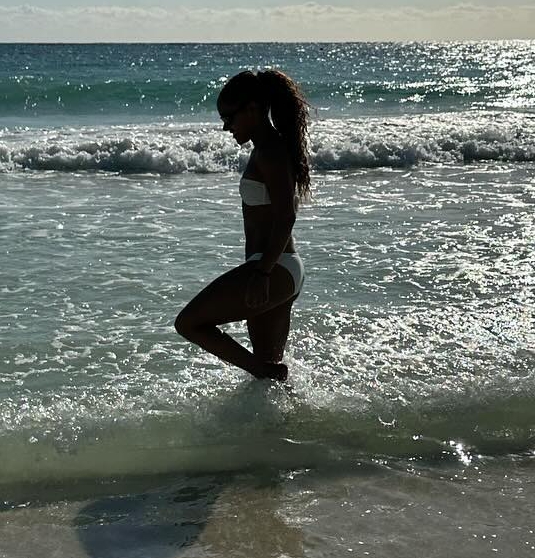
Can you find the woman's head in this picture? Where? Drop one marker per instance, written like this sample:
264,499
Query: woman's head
246,100
241,106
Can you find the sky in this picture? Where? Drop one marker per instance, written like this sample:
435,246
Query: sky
267,20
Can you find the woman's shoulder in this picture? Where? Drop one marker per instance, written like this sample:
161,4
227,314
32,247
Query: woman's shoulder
274,166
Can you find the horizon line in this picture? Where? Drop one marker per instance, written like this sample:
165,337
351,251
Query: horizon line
221,42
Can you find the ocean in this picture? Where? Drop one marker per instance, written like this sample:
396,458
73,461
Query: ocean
407,425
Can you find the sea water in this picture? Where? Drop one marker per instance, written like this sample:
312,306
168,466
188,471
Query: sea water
407,426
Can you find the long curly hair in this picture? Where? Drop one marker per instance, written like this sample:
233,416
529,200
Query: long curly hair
278,93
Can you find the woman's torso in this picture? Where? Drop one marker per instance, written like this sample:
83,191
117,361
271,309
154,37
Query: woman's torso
258,219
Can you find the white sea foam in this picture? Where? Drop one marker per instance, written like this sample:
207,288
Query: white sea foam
335,144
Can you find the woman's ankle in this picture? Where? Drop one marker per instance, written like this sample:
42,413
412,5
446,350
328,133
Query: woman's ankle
273,371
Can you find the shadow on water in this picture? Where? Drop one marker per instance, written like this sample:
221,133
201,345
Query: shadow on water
157,522
225,514
192,514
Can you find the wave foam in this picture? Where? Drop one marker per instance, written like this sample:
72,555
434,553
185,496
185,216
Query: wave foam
335,145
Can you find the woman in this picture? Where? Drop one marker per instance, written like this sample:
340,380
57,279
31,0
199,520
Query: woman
263,289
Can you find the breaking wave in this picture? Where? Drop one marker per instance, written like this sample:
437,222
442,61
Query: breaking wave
335,144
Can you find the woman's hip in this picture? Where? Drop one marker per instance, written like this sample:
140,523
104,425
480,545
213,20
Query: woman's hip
292,262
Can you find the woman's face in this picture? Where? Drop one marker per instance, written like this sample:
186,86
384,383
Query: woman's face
237,119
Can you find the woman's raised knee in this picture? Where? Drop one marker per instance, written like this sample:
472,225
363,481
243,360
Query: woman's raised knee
184,325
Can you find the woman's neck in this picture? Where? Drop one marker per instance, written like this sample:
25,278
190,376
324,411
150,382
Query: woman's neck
264,134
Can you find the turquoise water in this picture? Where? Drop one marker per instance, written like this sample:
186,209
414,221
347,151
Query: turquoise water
182,80
409,407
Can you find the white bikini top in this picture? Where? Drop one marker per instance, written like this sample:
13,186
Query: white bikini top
253,192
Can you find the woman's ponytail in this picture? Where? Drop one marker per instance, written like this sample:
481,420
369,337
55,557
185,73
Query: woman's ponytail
289,114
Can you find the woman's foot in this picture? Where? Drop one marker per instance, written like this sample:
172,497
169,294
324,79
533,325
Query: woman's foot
273,371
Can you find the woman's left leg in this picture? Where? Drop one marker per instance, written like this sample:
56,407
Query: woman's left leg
223,301
269,331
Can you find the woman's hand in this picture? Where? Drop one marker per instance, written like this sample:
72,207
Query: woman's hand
257,293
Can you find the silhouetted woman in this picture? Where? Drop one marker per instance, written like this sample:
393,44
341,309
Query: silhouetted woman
276,178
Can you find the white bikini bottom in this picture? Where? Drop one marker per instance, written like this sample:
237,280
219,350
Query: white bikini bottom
290,261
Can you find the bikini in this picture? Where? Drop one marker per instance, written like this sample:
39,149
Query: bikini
254,192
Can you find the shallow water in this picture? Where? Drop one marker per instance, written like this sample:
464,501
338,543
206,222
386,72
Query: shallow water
414,327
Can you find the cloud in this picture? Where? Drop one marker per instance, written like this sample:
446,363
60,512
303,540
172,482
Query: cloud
305,22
